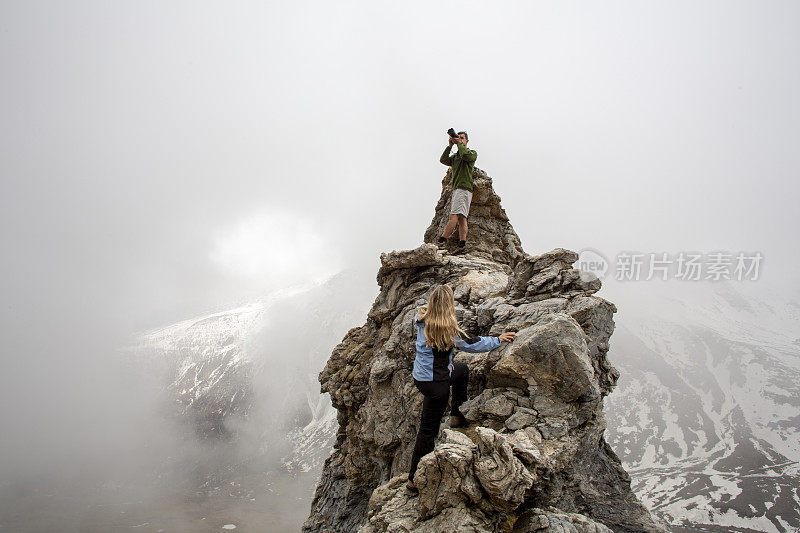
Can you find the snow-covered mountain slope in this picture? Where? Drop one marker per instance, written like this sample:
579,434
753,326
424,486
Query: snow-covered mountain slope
706,415
248,375
207,364
312,443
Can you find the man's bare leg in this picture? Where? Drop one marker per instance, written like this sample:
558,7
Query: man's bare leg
462,227
451,226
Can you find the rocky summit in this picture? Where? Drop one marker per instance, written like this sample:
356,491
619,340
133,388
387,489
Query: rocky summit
533,457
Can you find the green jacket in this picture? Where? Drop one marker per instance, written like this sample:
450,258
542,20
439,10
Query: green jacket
462,164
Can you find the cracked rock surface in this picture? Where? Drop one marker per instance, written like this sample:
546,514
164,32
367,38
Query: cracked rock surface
533,458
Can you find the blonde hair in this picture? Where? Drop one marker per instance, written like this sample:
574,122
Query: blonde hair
439,315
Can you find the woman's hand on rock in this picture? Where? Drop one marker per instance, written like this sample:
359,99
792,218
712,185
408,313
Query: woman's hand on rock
508,336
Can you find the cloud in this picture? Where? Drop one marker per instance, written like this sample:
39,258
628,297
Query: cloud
274,247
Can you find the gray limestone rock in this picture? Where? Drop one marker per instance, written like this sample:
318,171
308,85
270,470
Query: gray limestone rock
441,475
554,521
525,443
501,474
552,354
522,417
425,255
490,235
534,457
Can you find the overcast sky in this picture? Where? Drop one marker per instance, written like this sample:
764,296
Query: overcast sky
160,159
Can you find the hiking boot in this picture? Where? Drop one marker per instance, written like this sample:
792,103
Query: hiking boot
442,242
458,421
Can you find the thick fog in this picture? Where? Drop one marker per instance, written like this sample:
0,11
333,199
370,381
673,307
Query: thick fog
161,161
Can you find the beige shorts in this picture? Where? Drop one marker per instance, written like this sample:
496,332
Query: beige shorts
459,204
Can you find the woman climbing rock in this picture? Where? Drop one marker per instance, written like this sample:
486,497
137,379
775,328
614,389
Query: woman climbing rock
434,372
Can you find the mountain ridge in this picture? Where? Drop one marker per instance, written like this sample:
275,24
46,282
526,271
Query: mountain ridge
705,414
534,457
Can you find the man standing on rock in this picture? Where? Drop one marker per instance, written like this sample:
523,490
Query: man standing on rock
461,165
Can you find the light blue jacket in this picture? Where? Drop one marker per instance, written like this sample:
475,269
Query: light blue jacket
423,362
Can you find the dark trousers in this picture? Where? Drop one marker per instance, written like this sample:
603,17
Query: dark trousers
434,404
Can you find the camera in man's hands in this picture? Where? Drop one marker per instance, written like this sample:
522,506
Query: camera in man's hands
452,133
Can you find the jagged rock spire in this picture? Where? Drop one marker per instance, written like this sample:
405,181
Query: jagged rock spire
490,232
534,457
